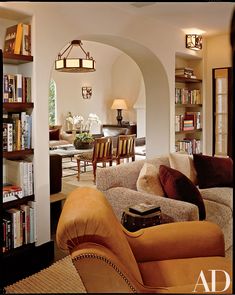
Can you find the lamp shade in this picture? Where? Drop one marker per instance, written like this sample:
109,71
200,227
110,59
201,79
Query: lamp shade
119,104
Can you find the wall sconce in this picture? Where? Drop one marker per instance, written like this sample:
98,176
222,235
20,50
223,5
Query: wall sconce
86,92
119,105
194,41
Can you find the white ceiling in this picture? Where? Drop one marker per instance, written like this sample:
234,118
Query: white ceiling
208,17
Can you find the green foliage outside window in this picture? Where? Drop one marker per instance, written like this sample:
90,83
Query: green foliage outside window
52,103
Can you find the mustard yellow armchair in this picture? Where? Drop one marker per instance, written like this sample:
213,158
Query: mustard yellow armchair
183,257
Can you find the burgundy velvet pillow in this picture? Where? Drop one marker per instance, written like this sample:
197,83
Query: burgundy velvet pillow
54,134
213,171
178,186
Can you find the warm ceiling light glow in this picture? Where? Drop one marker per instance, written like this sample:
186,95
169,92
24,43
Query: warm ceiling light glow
74,65
196,31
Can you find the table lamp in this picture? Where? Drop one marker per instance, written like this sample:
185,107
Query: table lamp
119,105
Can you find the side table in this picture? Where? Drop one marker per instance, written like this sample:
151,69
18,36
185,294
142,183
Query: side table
133,222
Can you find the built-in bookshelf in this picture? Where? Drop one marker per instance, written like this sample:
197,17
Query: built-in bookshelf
19,212
19,205
188,107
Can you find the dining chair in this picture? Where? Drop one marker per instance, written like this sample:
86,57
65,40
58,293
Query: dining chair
125,148
102,153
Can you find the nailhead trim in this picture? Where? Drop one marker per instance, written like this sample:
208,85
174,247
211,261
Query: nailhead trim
90,255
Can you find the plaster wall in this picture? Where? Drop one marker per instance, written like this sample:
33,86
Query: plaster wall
116,75
69,85
146,41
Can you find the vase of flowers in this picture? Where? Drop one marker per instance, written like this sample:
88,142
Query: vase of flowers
83,141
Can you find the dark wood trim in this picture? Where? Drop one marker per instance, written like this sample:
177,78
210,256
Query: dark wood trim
188,131
18,202
18,154
17,106
16,59
25,261
188,105
230,113
213,110
187,80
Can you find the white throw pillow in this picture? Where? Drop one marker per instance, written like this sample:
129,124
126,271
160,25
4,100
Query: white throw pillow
148,180
184,163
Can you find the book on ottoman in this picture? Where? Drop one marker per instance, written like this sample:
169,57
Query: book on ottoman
144,209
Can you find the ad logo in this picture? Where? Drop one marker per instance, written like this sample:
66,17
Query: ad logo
201,281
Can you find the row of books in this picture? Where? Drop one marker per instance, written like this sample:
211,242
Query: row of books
11,192
188,121
190,146
19,173
185,72
186,96
17,131
18,39
19,226
16,88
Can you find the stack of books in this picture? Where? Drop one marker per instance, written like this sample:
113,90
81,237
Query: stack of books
184,72
144,209
11,192
20,173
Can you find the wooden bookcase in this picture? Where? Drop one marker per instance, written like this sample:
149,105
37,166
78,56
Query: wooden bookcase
27,259
17,107
188,108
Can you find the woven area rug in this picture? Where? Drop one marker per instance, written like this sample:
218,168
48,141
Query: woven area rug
60,277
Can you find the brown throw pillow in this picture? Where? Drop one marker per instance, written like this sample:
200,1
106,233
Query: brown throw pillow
54,134
179,187
213,171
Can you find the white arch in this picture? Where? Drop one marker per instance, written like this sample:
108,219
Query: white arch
156,89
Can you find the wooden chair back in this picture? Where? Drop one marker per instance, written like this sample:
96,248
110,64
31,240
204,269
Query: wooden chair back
126,147
102,149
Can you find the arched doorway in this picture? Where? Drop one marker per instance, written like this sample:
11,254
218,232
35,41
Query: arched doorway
156,89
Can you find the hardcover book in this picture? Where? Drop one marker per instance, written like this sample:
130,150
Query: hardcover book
13,39
144,209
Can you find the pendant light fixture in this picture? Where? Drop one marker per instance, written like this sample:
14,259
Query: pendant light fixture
67,64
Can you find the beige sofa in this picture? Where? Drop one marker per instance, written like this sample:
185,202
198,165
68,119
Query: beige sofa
119,185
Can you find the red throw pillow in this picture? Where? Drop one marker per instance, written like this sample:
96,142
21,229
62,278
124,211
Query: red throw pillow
54,134
213,171
178,186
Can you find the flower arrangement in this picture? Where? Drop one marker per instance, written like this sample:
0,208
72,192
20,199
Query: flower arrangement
84,140
78,122
85,137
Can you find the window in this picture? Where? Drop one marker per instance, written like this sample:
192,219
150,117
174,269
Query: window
222,111
52,103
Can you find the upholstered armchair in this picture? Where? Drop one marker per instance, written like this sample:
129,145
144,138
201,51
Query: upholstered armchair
168,258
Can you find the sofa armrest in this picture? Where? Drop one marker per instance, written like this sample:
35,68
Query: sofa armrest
125,175
177,240
120,198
